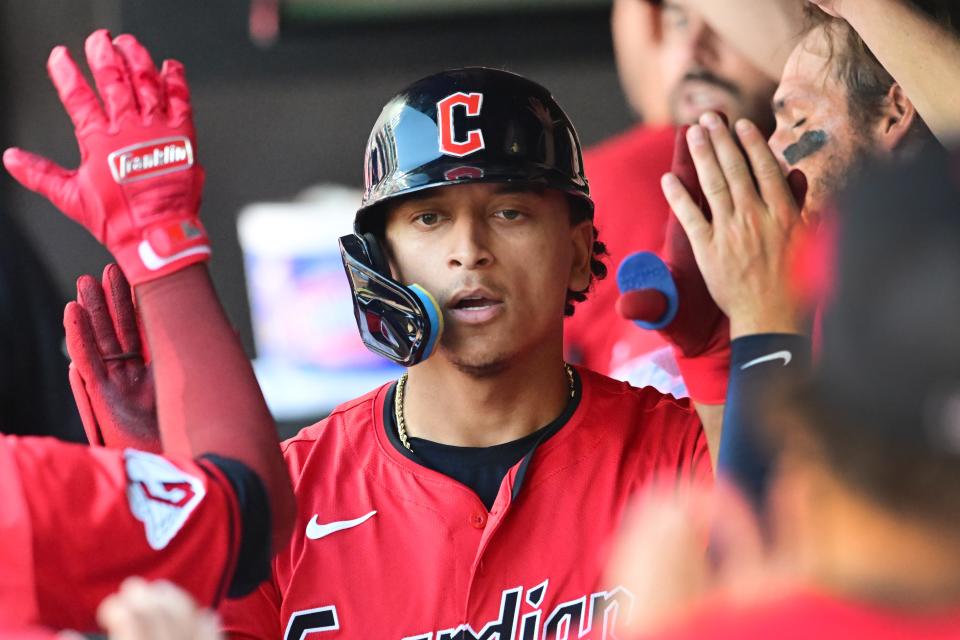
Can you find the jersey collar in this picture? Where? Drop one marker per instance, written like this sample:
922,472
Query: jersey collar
387,426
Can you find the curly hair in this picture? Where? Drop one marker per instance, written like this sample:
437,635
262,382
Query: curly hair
580,211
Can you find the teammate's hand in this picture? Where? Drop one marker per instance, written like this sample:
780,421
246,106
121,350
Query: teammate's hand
743,252
159,610
111,379
138,186
661,556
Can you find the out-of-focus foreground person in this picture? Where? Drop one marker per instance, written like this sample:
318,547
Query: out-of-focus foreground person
864,499
142,610
159,610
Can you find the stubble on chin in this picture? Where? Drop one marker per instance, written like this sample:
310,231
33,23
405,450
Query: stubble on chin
476,365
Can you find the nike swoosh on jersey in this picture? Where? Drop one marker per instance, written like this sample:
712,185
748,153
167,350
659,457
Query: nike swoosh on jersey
154,262
315,531
786,356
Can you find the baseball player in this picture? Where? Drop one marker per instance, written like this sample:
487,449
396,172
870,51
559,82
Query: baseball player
473,497
76,521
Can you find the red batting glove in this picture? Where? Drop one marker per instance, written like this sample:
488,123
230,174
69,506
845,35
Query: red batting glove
697,329
700,333
695,326
138,186
110,375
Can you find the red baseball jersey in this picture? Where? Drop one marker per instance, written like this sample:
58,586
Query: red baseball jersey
30,633
386,548
807,615
78,520
631,215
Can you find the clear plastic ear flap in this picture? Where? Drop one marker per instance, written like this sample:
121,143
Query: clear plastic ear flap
375,254
400,323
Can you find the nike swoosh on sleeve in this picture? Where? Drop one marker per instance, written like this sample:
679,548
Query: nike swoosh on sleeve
786,356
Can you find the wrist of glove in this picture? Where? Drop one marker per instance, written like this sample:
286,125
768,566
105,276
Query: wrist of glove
139,183
706,374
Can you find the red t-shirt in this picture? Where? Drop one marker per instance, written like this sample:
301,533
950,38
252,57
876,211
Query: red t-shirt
807,615
631,215
386,548
78,520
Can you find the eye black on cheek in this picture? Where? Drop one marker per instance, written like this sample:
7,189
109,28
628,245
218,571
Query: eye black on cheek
808,144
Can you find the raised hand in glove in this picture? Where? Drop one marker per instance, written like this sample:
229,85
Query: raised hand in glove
110,374
668,292
138,186
745,250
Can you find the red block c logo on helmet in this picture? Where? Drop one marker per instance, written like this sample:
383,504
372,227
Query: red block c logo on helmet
449,142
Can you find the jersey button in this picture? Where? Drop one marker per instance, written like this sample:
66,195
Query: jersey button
478,520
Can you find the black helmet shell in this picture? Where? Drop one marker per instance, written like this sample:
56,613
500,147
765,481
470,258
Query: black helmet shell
473,124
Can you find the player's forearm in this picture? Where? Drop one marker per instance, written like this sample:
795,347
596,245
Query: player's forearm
758,363
208,400
922,56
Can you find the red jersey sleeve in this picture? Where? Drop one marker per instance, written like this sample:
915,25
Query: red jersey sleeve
682,453
257,615
99,515
254,616
29,633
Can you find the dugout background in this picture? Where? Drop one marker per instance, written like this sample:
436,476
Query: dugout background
273,121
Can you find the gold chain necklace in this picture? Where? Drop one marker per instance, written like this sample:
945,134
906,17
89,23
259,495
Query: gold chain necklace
398,412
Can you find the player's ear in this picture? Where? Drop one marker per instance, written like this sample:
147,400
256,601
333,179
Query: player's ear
897,119
581,241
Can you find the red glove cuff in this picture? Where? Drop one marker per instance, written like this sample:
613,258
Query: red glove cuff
706,374
163,249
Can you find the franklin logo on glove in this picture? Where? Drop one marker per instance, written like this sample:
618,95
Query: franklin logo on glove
149,159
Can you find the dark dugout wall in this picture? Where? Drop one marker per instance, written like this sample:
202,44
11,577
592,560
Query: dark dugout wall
273,121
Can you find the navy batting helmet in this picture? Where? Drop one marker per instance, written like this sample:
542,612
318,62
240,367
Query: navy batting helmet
474,124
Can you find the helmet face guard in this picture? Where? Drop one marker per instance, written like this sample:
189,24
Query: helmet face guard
400,323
